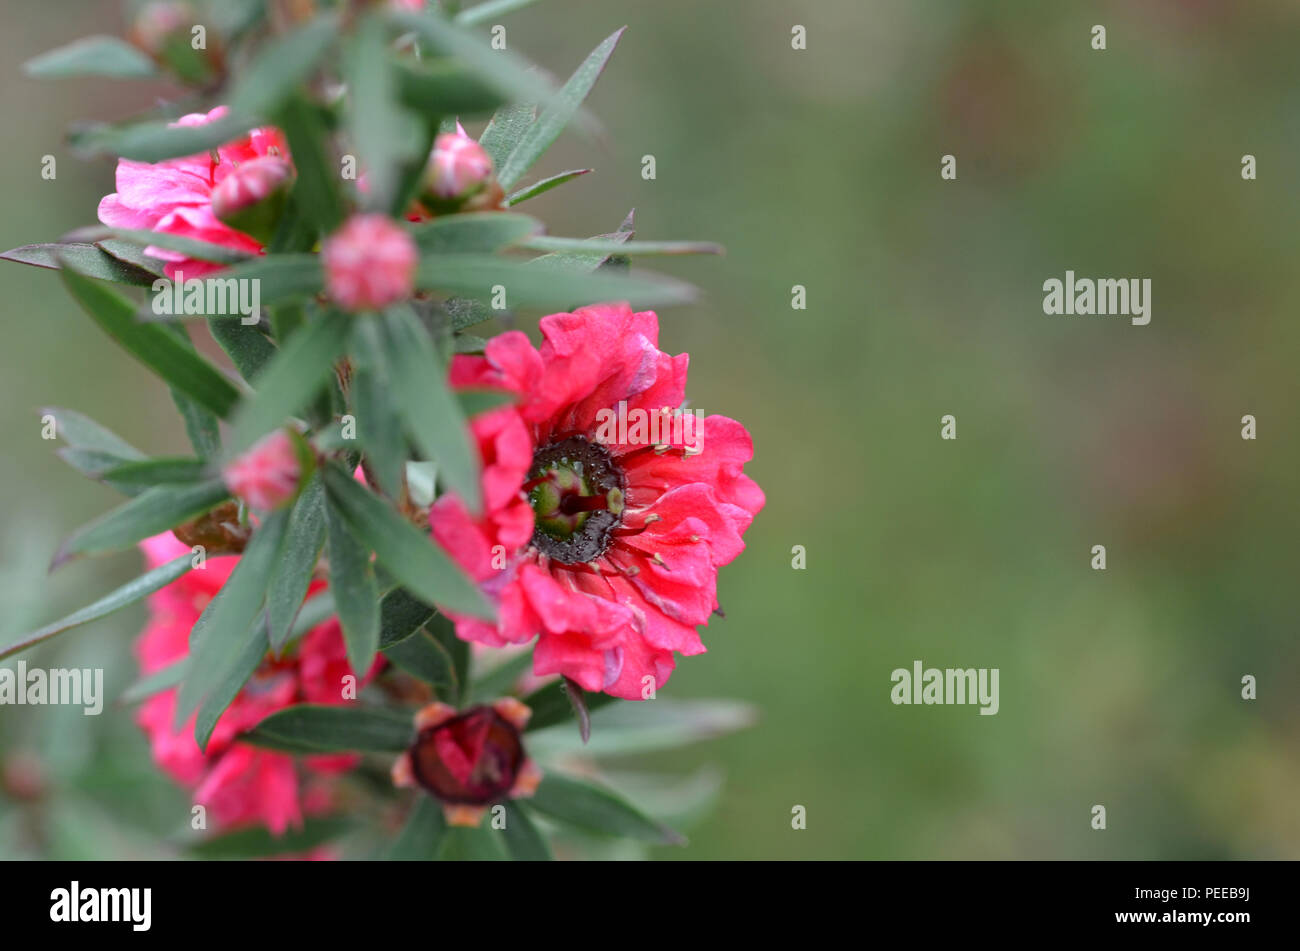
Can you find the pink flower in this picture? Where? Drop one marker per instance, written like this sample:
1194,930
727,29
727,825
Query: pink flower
175,196
369,263
266,476
612,542
251,199
458,166
238,784
471,759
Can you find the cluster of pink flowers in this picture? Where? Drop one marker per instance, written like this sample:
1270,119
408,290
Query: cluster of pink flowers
237,783
612,547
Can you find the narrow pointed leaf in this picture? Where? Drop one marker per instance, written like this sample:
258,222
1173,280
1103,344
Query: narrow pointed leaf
247,347
136,476
421,837
557,113
546,242
259,842
401,615
533,284
154,346
487,12
432,415
524,841
506,129
321,728
551,704
379,424
443,88
129,593
292,574
85,259
92,56
153,511
82,432
595,809
474,233
281,67
287,384
156,141
356,594
545,185
408,553
422,656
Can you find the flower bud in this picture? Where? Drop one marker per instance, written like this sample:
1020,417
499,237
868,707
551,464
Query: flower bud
469,760
369,263
157,23
458,168
268,475
251,198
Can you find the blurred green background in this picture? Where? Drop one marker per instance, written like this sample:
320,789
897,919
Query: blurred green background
821,168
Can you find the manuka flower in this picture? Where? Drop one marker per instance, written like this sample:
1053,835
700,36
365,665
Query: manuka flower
239,784
469,760
175,196
602,541
370,263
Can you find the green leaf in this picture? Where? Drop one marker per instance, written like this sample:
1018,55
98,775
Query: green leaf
506,129
190,247
92,56
233,620
134,477
281,67
442,88
401,615
422,656
595,809
546,242
356,594
501,69
501,679
129,593
486,12
288,383
153,511
421,837
153,345
156,141
524,841
529,284
132,254
82,432
325,728
588,261
258,841
662,724
432,415
316,193
85,259
444,632
292,574
155,683
407,552
380,131
246,346
465,844
250,657
379,424
557,114
476,232
545,185
281,277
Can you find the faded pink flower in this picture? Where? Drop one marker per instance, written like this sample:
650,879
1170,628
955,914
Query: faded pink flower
369,263
458,166
239,784
268,474
175,196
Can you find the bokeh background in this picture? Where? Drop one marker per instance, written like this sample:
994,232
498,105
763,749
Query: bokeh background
821,168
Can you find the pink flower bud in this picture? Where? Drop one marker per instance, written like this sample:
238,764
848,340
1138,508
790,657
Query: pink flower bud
369,263
458,166
252,196
157,22
267,475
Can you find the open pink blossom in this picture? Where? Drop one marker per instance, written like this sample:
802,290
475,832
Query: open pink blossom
603,545
369,263
175,196
267,475
238,784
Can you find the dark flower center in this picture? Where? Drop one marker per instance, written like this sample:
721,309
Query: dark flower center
577,495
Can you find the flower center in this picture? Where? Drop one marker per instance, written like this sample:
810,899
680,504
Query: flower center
577,495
